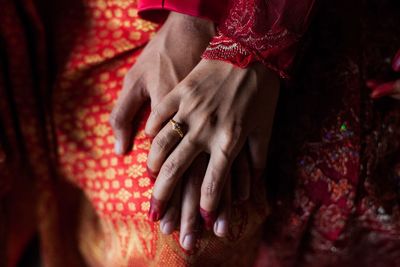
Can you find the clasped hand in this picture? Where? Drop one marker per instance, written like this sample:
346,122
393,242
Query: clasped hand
227,113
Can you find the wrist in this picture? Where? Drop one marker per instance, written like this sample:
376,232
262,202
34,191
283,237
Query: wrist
191,25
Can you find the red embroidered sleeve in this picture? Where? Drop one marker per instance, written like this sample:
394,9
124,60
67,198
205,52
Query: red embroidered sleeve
156,10
266,31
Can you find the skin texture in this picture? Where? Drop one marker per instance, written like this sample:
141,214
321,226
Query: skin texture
160,67
224,108
168,58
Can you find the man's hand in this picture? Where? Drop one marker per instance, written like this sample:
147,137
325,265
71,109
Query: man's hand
167,59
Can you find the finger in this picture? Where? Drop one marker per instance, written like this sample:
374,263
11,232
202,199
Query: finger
170,173
212,186
161,113
241,174
373,83
221,225
385,89
258,148
396,62
189,229
169,221
161,147
121,118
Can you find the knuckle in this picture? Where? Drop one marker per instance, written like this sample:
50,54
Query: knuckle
230,138
189,85
212,188
161,142
156,112
169,169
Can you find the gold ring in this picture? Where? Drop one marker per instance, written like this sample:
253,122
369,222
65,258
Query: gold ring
177,127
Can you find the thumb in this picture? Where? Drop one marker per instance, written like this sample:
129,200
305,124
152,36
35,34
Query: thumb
132,97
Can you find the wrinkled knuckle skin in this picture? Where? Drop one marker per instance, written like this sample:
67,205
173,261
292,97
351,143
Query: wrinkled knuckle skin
169,170
161,143
229,140
189,85
156,112
212,189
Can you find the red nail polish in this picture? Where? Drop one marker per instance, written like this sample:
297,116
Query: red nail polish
396,62
156,209
153,175
208,217
153,214
383,90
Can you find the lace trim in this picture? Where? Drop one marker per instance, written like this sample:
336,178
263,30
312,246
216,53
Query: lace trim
262,31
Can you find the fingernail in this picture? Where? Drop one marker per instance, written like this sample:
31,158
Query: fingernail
154,215
208,217
396,62
188,242
156,208
221,227
153,175
118,147
383,90
167,228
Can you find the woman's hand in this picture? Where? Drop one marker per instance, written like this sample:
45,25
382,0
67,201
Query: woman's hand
167,59
183,208
222,107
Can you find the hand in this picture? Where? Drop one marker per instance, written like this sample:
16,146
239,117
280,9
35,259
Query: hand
223,107
169,57
184,203
391,88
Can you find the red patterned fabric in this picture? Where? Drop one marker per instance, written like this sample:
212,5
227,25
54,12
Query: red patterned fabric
210,9
263,31
62,67
334,177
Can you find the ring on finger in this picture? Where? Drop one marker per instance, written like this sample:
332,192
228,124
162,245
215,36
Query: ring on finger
177,127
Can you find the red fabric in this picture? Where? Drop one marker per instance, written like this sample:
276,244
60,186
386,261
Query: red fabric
264,31
334,166
59,77
156,10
